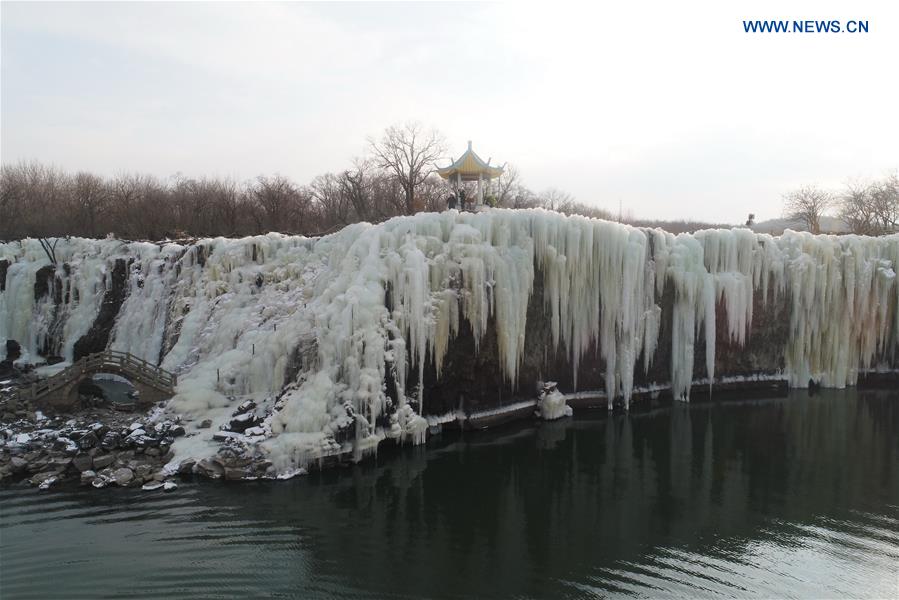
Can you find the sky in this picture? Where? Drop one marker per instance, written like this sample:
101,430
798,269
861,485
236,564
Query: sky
668,110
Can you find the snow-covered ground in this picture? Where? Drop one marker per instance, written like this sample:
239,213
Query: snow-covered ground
319,325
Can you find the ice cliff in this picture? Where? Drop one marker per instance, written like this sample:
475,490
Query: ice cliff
341,331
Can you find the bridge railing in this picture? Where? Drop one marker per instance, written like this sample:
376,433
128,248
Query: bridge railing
130,366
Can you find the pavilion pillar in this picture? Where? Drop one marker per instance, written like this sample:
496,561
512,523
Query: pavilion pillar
480,190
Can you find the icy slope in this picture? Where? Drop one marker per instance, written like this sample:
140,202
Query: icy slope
337,319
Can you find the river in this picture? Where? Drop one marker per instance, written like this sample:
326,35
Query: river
790,497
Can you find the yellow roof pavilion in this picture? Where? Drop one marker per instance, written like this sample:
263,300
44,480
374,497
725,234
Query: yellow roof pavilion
470,167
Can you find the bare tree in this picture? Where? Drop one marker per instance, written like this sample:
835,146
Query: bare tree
409,153
507,184
334,207
871,208
555,199
885,203
856,210
355,187
89,197
808,204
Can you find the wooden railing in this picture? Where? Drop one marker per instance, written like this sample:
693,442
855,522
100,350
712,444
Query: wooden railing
129,366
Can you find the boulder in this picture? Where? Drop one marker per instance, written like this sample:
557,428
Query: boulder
111,441
83,462
40,478
234,473
88,477
210,468
245,407
99,430
123,476
204,424
243,421
88,440
18,464
143,471
103,461
45,484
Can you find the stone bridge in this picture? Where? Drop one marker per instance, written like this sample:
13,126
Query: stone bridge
60,391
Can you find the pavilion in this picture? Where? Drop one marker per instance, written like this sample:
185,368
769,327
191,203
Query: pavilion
470,167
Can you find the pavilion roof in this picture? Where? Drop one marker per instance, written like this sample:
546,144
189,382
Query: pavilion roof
469,166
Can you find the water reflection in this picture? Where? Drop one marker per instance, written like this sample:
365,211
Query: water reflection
788,497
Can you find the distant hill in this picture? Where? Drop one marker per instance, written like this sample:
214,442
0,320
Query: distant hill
777,226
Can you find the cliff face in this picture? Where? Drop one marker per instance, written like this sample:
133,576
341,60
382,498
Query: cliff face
361,334
472,379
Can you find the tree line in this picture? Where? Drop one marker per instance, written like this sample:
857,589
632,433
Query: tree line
866,207
396,178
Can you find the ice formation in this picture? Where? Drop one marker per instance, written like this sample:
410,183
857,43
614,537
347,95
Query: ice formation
323,325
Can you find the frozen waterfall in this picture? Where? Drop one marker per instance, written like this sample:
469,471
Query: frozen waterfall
338,330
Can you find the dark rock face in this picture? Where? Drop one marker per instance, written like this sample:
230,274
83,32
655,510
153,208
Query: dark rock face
43,280
4,267
97,338
473,380
13,350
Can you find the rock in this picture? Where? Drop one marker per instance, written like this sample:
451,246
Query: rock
99,430
168,486
222,436
155,485
111,441
37,465
234,473
70,447
245,407
88,440
152,452
254,431
123,476
99,482
178,430
205,424
18,464
45,484
143,471
59,463
210,468
83,462
186,467
101,462
13,350
88,477
135,426
243,421
40,478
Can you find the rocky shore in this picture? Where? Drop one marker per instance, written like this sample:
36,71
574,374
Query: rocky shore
99,445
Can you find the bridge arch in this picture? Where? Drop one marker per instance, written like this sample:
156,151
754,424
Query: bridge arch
60,391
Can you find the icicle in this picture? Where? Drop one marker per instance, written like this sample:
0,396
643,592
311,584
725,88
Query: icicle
344,314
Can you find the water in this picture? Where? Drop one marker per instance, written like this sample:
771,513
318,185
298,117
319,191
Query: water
795,497
117,392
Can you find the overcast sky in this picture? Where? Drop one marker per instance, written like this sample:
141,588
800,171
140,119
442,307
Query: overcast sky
669,108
